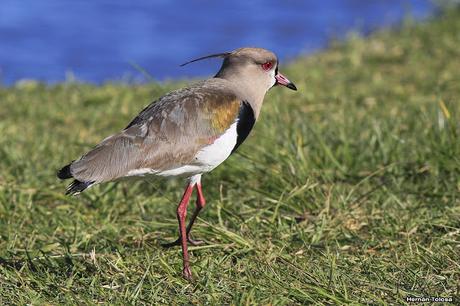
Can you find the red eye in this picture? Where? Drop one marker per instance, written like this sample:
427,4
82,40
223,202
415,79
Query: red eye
267,66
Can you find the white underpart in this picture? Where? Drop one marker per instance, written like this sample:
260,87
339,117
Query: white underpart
272,77
141,172
205,160
196,179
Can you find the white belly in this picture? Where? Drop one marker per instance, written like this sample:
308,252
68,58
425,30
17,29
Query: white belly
213,155
205,160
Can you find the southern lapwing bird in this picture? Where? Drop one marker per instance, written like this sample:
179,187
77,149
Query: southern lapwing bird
187,132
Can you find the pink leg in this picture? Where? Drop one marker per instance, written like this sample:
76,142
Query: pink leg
181,215
200,203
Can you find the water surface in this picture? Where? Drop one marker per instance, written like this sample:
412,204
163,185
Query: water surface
103,40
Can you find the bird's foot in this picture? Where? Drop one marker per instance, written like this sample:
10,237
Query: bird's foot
178,242
187,273
171,244
194,242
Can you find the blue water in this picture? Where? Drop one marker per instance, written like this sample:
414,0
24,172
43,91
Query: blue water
103,40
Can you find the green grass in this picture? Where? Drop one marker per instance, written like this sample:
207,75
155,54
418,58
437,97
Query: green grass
346,192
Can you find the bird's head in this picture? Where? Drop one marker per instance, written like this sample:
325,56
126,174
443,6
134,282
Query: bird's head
255,66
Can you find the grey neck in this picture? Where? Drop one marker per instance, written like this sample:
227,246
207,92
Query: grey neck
248,90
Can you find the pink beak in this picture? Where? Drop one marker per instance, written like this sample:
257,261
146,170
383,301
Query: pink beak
282,80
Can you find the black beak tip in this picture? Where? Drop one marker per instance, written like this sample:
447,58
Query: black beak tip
291,86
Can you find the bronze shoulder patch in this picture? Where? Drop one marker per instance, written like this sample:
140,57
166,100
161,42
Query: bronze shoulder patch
223,113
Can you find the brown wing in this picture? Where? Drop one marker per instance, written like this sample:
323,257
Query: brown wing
165,135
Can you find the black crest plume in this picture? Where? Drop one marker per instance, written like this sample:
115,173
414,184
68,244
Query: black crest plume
222,55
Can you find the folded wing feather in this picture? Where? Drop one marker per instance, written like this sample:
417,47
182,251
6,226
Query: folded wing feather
167,134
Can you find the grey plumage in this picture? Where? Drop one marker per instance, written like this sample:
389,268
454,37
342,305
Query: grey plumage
165,135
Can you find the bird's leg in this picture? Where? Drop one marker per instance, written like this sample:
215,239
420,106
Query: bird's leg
181,215
200,202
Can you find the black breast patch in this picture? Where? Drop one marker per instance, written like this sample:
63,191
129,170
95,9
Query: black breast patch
246,120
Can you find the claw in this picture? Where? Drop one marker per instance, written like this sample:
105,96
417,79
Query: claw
187,273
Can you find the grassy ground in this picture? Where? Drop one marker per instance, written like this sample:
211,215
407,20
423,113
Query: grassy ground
347,192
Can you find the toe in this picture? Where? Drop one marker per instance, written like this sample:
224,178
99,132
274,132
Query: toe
171,244
187,273
195,242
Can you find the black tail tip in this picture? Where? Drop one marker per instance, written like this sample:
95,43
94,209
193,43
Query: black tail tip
76,187
65,173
